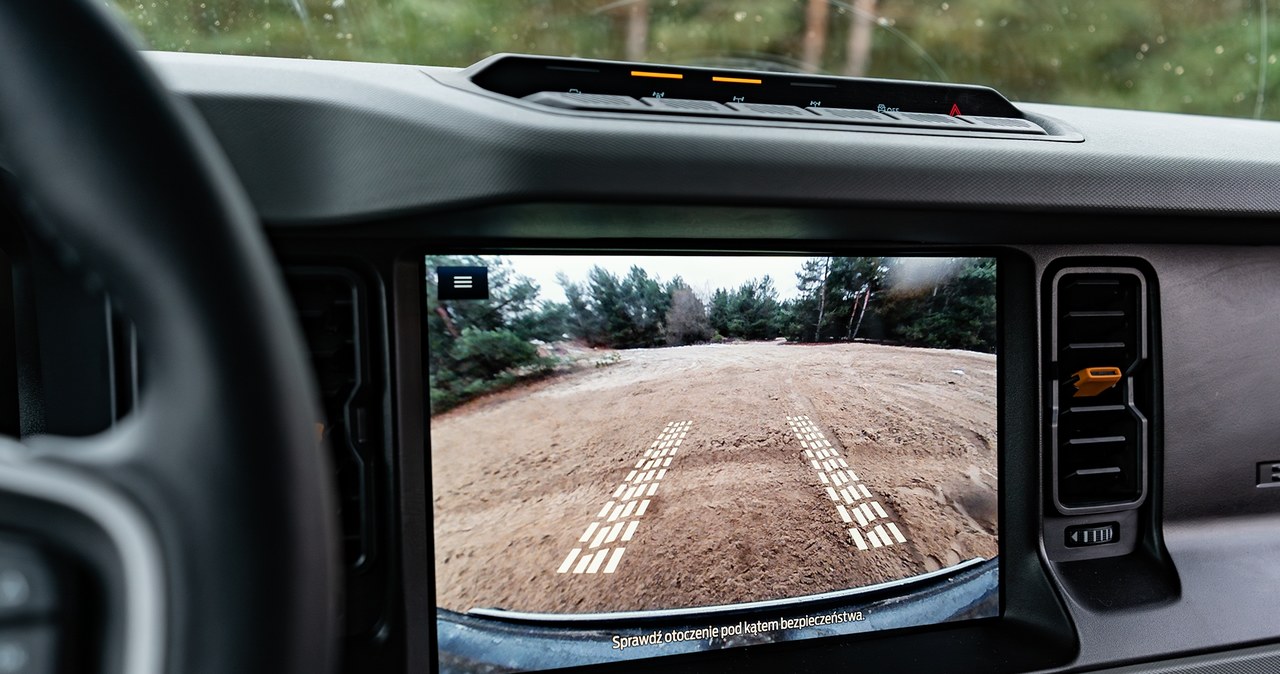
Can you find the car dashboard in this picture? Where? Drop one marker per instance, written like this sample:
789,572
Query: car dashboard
1137,535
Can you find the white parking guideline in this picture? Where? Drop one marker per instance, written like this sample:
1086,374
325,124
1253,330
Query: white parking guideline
872,529
617,521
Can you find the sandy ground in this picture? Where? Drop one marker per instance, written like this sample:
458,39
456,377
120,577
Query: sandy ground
536,490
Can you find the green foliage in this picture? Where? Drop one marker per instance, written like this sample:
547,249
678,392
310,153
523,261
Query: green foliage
485,354
623,313
930,302
955,311
751,311
832,293
933,302
479,346
1171,55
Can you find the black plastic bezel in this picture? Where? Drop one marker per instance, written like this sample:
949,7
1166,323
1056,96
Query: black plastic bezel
1033,631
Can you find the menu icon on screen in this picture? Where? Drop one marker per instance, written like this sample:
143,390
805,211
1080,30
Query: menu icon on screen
463,283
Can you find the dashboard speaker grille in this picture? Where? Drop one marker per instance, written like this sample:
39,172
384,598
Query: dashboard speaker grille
929,117
1007,122
853,114
788,110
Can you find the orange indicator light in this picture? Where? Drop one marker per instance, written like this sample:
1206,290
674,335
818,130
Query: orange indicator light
663,76
736,80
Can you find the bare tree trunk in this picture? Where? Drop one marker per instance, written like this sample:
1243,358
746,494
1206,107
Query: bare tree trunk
822,299
638,30
448,322
849,330
815,34
859,48
865,301
853,313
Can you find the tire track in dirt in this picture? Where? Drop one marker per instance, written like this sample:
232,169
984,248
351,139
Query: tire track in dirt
853,501
740,516
618,520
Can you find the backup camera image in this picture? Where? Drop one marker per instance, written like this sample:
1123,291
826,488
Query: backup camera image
634,456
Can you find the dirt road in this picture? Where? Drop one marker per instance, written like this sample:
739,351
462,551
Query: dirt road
704,475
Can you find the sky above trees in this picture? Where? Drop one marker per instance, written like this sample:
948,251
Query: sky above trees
702,273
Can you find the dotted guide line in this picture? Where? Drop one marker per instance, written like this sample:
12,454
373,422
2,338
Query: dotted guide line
617,521
851,497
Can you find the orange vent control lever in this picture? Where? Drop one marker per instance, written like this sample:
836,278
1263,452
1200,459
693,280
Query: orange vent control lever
1091,381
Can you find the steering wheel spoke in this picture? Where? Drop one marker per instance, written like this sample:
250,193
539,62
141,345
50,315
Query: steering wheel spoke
59,510
208,516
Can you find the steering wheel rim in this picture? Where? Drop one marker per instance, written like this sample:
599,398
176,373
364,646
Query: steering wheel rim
214,497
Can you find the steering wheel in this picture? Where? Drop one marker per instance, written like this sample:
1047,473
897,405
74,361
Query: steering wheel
207,516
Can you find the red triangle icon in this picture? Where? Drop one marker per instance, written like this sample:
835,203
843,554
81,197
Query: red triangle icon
955,110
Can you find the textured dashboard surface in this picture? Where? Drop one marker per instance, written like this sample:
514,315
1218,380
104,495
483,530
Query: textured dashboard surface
328,142
318,141
1262,660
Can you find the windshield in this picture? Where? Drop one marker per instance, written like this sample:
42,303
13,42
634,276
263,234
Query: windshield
1171,55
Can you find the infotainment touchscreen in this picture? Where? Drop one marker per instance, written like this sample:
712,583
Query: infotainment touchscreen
634,456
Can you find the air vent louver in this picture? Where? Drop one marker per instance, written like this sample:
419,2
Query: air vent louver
1099,434
330,308
343,321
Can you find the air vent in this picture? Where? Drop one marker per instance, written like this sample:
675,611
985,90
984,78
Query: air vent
342,327
1098,364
